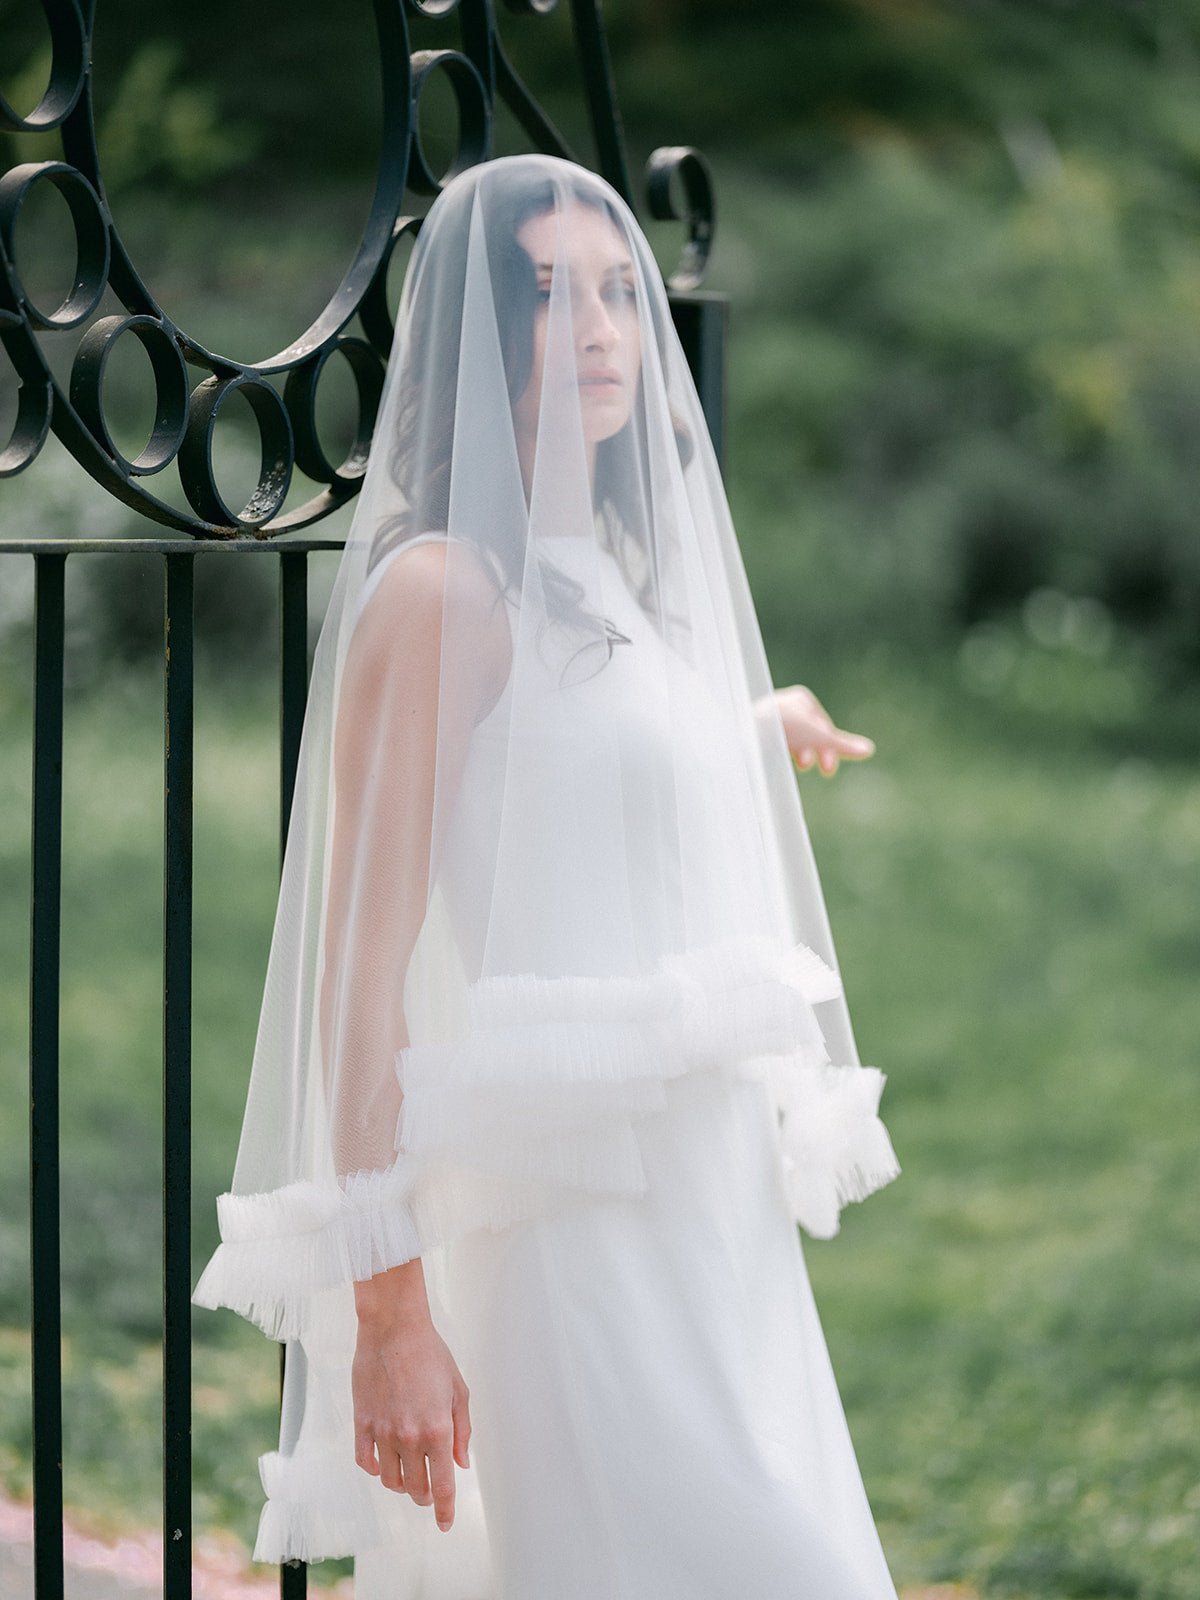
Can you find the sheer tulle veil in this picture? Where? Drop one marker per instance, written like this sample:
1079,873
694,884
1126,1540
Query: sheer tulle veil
512,913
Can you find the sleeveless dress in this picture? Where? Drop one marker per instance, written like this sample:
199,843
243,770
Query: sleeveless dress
654,1414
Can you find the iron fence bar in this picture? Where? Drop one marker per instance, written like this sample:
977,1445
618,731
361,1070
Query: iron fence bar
293,677
702,323
178,707
293,692
591,45
44,971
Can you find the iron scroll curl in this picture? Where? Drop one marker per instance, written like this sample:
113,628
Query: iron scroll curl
192,383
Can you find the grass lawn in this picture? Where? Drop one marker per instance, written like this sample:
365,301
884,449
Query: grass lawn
1015,1323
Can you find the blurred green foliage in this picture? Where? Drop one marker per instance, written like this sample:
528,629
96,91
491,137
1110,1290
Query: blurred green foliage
970,400
958,240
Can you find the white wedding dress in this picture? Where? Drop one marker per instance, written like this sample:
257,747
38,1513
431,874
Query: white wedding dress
653,1408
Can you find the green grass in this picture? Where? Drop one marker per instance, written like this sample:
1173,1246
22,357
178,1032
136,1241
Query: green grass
1014,1322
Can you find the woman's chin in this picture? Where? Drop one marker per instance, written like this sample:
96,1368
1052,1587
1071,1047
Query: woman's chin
603,421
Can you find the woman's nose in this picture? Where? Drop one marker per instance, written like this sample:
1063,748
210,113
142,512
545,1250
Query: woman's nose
596,327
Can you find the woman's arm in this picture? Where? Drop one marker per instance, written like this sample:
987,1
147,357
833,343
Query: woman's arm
809,730
403,729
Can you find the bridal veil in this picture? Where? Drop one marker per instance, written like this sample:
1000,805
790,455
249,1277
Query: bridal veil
511,913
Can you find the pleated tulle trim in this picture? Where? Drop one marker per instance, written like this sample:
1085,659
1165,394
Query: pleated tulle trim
312,1513
280,1248
835,1148
321,1505
548,1061
535,1108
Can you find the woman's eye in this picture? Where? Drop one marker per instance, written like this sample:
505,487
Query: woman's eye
623,291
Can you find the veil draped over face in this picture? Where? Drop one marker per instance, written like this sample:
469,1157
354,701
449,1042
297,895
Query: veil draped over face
546,853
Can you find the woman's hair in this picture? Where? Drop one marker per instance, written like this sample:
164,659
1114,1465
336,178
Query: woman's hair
425,426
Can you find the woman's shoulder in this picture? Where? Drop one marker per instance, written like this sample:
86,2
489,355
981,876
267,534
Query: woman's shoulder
416,587
424,567
432,559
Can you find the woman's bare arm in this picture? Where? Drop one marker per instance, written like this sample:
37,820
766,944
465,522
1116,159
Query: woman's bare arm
404,721
810,731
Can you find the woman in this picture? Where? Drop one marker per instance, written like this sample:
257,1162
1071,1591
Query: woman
553,1052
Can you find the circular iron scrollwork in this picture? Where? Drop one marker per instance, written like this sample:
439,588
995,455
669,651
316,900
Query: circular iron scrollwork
192,383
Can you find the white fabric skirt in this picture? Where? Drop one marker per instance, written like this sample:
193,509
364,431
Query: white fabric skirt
654,1414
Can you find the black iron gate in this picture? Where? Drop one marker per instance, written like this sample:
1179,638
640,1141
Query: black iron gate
480,73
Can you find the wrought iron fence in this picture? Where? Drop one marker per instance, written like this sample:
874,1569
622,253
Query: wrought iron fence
480,74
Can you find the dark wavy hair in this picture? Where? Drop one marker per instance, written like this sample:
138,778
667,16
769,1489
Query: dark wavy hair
426,418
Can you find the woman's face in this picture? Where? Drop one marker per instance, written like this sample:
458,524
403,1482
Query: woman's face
604,319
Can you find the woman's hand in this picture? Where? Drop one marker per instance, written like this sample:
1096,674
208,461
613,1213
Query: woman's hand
410,1402
811,735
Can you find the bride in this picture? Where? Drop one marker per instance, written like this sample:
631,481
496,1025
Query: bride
554,1052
